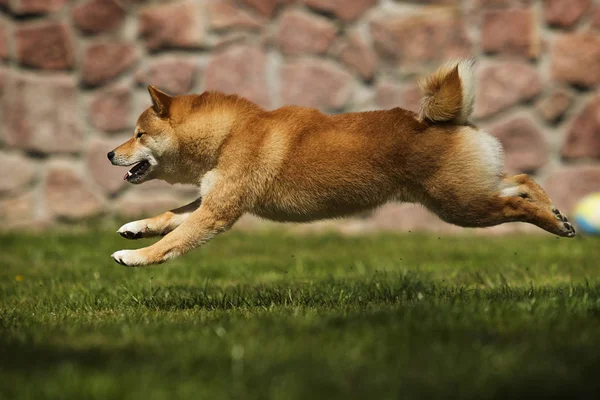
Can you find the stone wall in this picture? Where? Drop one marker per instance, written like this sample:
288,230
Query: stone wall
73,76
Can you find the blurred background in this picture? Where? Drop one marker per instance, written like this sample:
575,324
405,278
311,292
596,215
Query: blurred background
73,78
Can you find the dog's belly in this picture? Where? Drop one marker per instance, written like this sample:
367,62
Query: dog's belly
306,208
283,215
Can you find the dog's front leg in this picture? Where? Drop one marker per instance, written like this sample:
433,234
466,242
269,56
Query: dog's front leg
202,225
159,225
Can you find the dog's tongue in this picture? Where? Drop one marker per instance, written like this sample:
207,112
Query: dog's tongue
126,175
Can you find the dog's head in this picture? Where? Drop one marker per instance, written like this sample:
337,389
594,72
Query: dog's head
153,146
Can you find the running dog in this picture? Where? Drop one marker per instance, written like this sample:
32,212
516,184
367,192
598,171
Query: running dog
298,164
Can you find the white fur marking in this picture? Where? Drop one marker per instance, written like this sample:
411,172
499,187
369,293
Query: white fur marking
490,152
208,181
509,191
172,254
134,227
487,156
146,154
467,81
129,258
178,219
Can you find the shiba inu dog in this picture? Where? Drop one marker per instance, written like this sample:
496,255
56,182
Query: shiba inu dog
298,164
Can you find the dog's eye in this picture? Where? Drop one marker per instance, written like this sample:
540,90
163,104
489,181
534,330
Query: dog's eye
140,134
524,195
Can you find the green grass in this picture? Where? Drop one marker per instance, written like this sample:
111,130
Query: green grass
270,315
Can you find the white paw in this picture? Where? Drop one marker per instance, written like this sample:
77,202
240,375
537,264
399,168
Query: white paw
129,258
133,230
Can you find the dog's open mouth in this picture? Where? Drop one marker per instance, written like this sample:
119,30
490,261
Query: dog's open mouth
138,171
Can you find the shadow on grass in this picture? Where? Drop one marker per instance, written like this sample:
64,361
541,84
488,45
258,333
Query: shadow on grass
27,357
572,374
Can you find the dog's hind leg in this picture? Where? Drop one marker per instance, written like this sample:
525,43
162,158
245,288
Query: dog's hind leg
524,199
519,199
159,225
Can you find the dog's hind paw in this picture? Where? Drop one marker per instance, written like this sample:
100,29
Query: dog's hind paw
566,229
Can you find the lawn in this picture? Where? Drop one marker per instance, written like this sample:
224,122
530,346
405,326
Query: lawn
272,315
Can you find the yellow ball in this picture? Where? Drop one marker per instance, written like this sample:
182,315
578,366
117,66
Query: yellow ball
587,214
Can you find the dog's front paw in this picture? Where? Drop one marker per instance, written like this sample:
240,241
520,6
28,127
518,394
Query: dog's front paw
134,230
130,258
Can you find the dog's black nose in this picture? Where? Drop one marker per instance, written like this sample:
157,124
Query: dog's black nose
111,155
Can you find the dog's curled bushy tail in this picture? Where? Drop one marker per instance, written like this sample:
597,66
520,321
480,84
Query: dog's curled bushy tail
449,93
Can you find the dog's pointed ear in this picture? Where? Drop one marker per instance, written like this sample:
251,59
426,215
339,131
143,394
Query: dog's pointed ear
161,102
